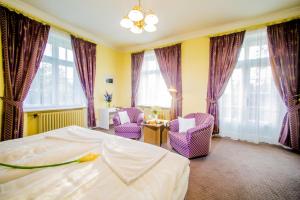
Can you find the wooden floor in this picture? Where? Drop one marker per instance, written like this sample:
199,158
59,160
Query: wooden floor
242,170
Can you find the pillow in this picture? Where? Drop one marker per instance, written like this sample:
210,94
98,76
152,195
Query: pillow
186,124
124,118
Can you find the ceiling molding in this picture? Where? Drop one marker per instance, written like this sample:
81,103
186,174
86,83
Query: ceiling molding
29,10
280,15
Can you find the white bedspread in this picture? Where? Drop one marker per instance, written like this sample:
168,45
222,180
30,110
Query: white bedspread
127,169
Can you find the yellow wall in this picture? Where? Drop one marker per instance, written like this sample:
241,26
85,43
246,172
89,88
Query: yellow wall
107,64
123,80
195,65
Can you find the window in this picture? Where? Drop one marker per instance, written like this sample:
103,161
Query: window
56,83
251,108
152,88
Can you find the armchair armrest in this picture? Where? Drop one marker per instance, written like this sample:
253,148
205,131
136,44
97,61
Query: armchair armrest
174,125
140,119
199,128
194,130
203,129
116,120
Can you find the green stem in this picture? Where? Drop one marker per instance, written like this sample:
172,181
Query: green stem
35,167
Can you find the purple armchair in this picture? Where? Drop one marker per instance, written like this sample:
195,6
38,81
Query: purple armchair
132,129
197,141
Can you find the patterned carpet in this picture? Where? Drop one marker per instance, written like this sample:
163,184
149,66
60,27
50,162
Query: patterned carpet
241,170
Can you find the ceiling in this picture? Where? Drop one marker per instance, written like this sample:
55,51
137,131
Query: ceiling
176,17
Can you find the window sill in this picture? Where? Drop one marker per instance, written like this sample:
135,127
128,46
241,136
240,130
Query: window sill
29,110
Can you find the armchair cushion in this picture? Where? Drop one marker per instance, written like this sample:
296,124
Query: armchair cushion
124,118
186,124
198,128
128,128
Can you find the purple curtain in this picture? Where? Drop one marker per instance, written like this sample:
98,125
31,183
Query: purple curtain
169,60
284,49
224,52
23,44
85,60
136,67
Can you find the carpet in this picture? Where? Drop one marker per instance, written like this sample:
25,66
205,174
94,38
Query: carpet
242,170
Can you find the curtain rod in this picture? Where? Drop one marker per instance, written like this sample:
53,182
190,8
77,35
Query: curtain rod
158,47
246,28
256,26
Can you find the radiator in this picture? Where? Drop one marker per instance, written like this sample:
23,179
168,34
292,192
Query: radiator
58,119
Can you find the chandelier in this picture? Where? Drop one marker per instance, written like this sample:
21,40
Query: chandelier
139,20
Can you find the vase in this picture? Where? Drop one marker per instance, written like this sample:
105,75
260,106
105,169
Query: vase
108,104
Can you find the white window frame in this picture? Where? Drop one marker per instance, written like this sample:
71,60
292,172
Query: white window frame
151,55
58,40
235,119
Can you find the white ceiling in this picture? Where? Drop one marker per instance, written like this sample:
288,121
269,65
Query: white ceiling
177,17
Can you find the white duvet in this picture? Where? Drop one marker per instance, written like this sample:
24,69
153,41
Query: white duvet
127,169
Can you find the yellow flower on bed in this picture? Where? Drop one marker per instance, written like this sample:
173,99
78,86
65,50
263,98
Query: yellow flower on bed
88,157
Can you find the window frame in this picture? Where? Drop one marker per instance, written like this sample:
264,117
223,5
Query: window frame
150,72
56,41
250,64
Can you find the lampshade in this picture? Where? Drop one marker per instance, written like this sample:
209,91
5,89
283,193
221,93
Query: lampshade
136,30
150,28
151,19
136,14
126,22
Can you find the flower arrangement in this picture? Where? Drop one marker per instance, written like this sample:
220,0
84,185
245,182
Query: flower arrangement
108,98
155,111
86,158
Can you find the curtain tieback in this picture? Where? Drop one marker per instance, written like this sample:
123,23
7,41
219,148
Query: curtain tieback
17,104
294,108
211,101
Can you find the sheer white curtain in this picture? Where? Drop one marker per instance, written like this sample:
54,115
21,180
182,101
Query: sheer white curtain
152,88
250,108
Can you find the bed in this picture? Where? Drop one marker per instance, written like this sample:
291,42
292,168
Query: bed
126,169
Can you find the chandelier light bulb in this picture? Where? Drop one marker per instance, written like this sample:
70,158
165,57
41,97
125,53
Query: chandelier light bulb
139,20
136,30
136,14
151,19
126,23
150,28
